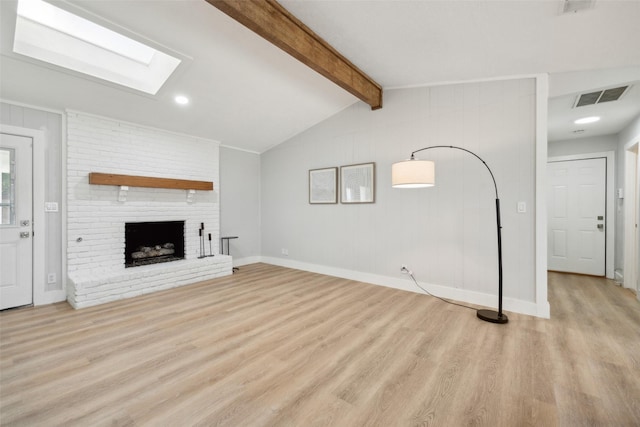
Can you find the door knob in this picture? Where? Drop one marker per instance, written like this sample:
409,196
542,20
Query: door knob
600,226
600,217
24,223
25,234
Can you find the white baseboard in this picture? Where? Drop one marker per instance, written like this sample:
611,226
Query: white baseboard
50,297
406,284
239,262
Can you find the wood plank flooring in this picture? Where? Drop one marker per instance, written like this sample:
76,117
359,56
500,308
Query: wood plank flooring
271,346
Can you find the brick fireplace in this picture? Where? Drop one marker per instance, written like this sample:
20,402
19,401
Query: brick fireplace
99,216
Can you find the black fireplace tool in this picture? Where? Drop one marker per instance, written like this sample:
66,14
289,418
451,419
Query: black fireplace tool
202,243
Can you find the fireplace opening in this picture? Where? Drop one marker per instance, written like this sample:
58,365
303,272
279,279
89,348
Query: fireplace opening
153,242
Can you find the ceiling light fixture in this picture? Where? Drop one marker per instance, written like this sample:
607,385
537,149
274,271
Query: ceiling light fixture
586,120
181,100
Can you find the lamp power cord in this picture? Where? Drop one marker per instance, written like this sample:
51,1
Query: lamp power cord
410,273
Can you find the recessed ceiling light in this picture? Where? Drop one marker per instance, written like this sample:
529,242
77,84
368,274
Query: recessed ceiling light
181,99
585,120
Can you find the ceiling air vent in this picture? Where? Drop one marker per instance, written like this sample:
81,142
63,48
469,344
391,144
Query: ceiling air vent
612,94
600,96
573,6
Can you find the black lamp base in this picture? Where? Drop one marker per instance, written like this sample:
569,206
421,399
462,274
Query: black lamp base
492,316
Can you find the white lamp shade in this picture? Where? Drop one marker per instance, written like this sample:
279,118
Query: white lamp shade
413,174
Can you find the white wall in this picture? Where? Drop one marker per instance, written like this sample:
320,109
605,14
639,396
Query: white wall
240,203
626,137
445,234
593,144
51,124
630,133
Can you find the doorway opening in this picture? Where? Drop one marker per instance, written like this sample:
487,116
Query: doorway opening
598,222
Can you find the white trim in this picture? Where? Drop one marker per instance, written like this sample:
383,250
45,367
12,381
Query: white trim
32,106
239,149
630,202
610,244
239,262
63,205
405,284
40,293
543,308
487,79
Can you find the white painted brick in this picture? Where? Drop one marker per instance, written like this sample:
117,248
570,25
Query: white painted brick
96,265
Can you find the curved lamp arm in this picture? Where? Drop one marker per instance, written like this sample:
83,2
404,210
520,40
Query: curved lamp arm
495,186
487,315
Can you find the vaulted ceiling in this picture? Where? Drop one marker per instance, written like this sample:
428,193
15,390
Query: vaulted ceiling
248,94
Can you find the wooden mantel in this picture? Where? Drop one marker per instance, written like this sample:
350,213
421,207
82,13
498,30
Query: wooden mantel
148,181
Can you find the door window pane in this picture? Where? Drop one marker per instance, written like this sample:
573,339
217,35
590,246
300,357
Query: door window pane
7,202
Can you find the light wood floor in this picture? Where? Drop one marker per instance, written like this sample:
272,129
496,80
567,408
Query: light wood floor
280,347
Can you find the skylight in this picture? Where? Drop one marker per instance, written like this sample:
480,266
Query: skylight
53,35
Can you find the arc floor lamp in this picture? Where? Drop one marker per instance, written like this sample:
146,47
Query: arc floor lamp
416,173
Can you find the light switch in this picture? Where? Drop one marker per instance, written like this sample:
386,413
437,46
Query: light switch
51,207
522,207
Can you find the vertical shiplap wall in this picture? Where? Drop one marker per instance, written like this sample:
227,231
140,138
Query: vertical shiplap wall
240,203
445,234
51,124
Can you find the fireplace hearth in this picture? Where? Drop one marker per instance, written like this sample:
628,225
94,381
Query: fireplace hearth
153,242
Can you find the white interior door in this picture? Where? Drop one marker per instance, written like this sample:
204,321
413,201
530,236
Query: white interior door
576,203
16,229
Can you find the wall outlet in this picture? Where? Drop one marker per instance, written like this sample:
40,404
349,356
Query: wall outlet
285,252
51,207
404,269
522,207
51,278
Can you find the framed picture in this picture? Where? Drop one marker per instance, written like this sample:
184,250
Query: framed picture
358,183
323,186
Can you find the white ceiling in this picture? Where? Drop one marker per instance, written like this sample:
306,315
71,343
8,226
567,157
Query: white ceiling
565,88
248,94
